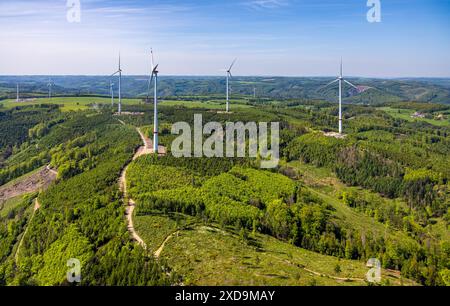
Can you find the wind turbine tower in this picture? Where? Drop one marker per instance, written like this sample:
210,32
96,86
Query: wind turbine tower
229,76
341,81
119,72
17,99
50,84
154,75
111,85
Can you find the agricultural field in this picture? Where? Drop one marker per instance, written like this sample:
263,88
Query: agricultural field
70,104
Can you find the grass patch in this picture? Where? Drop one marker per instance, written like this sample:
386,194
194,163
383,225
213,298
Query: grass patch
9,205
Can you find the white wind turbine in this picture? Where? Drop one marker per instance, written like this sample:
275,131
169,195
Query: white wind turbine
17,99
49,85
340,79
229,75
154,75
120,86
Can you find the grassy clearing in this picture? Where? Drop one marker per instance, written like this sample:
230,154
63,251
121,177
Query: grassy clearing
210,256
324,183
155,228
9,205
405,114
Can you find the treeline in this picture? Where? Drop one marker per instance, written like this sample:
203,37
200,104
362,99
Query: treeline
421,107
23,168
172,114
16,123
202,166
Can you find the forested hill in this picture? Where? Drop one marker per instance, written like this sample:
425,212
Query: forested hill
370,91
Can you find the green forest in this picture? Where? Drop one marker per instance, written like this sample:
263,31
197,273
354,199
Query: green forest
380,192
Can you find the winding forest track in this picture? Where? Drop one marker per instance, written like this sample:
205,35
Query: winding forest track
161,247
36,207
192,226
131,205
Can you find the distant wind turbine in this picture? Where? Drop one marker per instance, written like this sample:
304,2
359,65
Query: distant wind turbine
17,99
120,86
229,75
49,85
340,79
154,75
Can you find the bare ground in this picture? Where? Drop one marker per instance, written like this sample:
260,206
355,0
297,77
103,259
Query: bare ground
37,181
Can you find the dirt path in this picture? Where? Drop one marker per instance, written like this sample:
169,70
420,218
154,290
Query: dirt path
161,247
147,148
36,207
158,252
131,205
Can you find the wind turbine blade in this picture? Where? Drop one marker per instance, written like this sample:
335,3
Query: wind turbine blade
351,84
232,64
153,60
155,69
332,82
341,71
229,72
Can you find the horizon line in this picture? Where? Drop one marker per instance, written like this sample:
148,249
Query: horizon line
235,76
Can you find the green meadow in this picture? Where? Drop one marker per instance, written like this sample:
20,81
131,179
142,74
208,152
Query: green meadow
406,114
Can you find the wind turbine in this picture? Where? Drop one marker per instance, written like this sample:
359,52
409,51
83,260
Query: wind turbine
120,86
111,85
229,75
49,85
340,79
17,99
154,75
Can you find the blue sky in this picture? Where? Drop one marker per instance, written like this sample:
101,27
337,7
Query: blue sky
269,37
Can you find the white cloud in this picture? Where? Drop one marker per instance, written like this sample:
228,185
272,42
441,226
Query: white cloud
266,4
